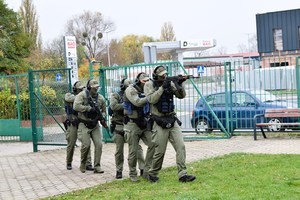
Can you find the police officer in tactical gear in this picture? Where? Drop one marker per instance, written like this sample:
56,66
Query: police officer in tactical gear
135,125
88,123
166,127
117,128
71,125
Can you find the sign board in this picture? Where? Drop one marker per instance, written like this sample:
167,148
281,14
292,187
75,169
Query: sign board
71,57
197,43
200,69
58,77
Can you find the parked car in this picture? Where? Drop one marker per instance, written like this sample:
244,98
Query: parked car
245,105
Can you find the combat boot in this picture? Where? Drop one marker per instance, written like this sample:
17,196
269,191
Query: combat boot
89,168
152,179
82,168
145,175
69,166
98,171
141,172
187,178
119,175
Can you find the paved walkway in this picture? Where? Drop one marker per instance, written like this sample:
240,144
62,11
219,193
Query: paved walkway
28,175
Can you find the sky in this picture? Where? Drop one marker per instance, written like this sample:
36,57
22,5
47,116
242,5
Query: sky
229,22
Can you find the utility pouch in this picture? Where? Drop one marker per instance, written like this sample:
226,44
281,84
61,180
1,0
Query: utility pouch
141,123
112,127
150,123
165,121
122,133
67,123
75,123
126,119
89,124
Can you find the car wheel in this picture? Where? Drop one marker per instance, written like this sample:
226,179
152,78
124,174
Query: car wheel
275,127
202,126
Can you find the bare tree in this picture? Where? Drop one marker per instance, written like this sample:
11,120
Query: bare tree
166,34
251,46
29,22
88,29
242,48
253,43
220,51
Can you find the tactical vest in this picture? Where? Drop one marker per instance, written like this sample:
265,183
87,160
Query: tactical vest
69,109
129,107
166,101
89,114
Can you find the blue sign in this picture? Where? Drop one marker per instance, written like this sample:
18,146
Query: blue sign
200,69
58,77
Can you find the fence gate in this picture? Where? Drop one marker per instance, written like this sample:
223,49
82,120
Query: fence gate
47,89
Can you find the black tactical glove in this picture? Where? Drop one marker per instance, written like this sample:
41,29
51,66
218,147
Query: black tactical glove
93,111
166,84
181,80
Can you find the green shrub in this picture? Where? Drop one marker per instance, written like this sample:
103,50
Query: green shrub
8,108
48,95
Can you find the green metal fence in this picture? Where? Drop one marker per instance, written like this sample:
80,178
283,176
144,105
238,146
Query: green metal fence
47,106
228,79
14,108
238,89
110,80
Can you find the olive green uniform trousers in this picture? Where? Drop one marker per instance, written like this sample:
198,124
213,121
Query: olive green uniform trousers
133,136
119,140
160,137
86,136
71,137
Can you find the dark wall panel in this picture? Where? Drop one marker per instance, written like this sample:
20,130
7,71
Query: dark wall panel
288,21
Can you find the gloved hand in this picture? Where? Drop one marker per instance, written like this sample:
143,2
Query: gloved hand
166,84
93,111
181,80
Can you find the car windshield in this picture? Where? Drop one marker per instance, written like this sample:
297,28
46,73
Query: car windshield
264,96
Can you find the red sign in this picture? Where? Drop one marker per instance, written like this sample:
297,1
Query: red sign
71,44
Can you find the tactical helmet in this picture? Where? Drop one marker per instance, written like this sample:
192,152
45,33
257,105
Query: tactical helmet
92,84
77,86
159,71
141,77
125,83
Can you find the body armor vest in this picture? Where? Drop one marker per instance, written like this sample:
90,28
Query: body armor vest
166,101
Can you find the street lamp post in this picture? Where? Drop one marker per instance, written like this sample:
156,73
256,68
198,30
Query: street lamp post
108,53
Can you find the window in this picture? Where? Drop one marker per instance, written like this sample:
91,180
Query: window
219,100
243,99
277,35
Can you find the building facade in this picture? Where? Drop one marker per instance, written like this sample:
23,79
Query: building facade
278,37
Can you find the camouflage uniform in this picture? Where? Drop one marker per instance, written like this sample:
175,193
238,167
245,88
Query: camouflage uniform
134,127
72,123
88,126
116,105
161,135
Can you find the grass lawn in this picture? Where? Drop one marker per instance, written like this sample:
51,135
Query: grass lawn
234,176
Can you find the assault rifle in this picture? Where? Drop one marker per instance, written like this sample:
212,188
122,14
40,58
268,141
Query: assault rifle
98,112
177,80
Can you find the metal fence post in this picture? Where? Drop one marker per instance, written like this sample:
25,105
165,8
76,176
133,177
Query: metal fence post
32,110
298,80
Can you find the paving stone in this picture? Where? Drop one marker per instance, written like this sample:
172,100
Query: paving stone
28,175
